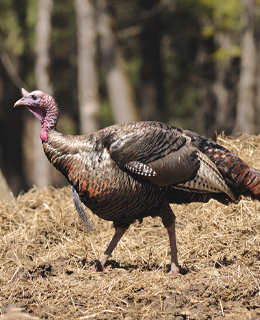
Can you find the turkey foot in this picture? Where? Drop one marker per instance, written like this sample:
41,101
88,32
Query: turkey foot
177,269
99,267
100,264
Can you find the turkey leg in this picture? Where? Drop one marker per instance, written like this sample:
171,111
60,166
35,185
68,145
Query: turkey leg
175,267
168,219
119,232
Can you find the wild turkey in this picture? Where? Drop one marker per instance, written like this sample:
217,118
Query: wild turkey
133,170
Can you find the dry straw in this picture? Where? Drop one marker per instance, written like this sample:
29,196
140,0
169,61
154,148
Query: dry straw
46,255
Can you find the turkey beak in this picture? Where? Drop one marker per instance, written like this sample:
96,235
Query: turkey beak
20,102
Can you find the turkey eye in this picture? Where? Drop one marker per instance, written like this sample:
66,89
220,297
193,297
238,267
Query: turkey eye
34,97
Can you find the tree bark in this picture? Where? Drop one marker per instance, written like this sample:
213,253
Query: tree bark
41,167
204,115
245,119
118,84
151,96
224,106
5,192
87,75
257,81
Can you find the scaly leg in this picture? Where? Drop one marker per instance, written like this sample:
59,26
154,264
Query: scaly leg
175,267
119,232
168,219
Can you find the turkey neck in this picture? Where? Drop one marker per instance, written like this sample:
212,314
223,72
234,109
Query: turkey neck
50,120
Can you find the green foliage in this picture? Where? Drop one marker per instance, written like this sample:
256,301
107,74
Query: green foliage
63,71
10,30
31,19
185,23
133,67
179,48
106,117
233,51
220,15
185,26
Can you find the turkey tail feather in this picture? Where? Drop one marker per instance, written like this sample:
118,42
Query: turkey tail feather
251,183
243,179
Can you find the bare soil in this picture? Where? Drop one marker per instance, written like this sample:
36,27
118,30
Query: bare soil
46,255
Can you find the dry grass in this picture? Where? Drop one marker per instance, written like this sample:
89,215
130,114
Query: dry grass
46,255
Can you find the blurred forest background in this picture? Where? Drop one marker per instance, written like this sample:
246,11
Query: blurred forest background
190,63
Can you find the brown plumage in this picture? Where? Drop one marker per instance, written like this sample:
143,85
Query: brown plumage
133,170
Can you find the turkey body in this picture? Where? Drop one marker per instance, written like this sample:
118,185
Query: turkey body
133,170
104,185
110,169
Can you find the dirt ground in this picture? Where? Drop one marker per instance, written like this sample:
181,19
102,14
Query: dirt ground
46,255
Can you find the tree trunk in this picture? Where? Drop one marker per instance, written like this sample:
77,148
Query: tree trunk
204,116
223,108
5,192
257,81
245,119
118,85
87,75
41,167
151,97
